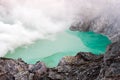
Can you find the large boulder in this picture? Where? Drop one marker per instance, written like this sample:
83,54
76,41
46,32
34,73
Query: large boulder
11,69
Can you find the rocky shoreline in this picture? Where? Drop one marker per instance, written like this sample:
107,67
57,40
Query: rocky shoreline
83,66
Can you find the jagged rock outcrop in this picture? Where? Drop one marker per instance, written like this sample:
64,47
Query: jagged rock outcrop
111,67
19,70
86,66
108,25
83,66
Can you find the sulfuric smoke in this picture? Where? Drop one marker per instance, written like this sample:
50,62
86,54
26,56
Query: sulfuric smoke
22,22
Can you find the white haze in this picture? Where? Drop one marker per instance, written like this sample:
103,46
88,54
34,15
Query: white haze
22,22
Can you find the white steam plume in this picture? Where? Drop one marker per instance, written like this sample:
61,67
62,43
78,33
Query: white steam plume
25,21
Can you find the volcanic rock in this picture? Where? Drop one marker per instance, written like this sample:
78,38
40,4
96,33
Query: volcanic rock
11,69
104,24
83,66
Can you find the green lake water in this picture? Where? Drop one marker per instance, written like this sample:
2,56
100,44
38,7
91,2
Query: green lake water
68,43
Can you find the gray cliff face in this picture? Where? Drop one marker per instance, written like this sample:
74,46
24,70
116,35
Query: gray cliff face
107,25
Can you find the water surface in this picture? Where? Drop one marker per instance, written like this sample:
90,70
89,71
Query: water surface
68,43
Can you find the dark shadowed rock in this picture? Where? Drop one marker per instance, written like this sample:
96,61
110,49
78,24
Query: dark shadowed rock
6,76
111,68
39,70
16,69
19,70
113,53
79,67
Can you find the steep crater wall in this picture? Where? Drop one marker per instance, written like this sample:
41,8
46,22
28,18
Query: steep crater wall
107,25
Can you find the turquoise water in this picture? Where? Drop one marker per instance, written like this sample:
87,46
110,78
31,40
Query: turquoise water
68,43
